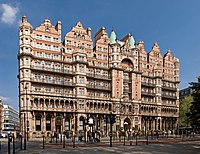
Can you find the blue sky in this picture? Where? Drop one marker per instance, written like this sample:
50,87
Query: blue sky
174,24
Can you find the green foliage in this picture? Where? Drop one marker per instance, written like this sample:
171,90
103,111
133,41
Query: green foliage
184,110
194,114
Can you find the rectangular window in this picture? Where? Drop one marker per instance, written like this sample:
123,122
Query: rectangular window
38,123
47,78
48,123
81,125
37,77
81,69
47,55
47,89
37,89
81,91
26,73
58,80
82,80
58,90
67,125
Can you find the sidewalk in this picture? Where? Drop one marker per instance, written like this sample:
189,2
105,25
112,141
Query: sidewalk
168,148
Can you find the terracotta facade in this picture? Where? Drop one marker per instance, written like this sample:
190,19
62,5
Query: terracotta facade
63,83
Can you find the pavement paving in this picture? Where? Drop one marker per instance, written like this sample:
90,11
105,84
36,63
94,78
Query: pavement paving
191,147
155,146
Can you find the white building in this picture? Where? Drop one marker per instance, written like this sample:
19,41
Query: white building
10,120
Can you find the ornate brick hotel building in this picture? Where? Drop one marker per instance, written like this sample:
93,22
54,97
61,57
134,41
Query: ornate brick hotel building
65,84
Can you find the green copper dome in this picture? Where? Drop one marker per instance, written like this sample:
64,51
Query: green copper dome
132,42
113,37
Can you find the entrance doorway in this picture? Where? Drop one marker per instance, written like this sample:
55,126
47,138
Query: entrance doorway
58,124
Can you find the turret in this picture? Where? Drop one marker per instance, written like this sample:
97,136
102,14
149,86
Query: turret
89,31
113,37
132,42
58,27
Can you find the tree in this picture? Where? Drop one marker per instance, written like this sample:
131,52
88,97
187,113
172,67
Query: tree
194,114
184,110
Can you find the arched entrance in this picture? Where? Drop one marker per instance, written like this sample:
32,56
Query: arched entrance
127,124
58,123
91,123
67,126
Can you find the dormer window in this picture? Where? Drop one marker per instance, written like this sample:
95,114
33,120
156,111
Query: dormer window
47,29
75,35
83,36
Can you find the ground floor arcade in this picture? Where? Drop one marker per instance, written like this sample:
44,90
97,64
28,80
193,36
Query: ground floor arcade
73,123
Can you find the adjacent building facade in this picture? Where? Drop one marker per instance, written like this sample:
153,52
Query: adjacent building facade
11,122
184,92
1,116
63,84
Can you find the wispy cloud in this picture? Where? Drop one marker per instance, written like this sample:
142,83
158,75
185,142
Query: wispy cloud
8,13
6,99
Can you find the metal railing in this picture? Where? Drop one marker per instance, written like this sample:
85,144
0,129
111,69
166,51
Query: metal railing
148,84
169,88
49,69
169,96
148,93
98,87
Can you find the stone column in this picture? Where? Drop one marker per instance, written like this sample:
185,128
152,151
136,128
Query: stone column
153,124
44,122
74,123
63,124
54,123
78,122
33,122
156,124
165,124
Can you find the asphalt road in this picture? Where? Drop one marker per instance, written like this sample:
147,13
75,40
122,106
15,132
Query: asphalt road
154,148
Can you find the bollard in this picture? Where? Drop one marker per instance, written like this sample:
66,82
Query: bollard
43,141
124,139
74,142
61,138
56,139
21,142
13,144
51,139
147,140
136,140
8,144
63,141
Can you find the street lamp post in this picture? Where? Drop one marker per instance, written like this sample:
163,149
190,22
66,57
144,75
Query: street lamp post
111,122
125,123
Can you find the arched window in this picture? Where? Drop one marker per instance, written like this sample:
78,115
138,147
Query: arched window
46,102
38,123
81,124
67,124
36,102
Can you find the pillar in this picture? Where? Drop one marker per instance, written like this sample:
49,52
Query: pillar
44,122
156,123
153,124
54,123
